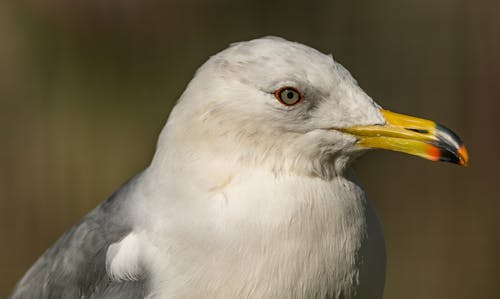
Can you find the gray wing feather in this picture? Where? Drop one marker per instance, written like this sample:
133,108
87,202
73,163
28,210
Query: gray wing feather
75,266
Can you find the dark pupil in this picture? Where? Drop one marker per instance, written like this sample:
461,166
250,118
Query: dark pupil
289,95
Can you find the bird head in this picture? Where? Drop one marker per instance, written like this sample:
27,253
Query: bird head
282,104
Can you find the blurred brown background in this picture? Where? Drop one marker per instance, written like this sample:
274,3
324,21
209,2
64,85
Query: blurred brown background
86,86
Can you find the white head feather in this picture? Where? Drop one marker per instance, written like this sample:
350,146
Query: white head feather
229,109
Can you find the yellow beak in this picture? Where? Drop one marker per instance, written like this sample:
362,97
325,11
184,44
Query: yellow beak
414,136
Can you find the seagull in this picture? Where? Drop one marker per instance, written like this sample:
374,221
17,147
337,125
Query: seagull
249,193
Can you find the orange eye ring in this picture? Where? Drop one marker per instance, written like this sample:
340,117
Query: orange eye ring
289,96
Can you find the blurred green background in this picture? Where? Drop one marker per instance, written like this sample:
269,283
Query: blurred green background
86,86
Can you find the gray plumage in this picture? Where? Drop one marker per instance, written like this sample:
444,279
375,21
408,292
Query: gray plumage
75,266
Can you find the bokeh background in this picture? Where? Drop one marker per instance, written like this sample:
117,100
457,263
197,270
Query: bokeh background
86,86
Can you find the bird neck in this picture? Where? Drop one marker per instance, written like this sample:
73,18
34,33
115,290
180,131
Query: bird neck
209,159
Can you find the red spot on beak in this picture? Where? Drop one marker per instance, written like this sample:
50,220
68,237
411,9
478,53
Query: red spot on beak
434,152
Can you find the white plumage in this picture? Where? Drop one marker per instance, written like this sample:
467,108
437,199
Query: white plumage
248,198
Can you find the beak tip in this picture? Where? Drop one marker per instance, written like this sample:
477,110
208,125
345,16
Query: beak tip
464,156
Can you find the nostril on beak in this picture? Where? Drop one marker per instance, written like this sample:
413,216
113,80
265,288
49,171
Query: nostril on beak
422,131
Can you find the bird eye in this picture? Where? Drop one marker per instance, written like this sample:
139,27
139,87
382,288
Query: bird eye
288,96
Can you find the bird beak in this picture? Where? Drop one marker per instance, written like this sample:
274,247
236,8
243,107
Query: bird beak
414,136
